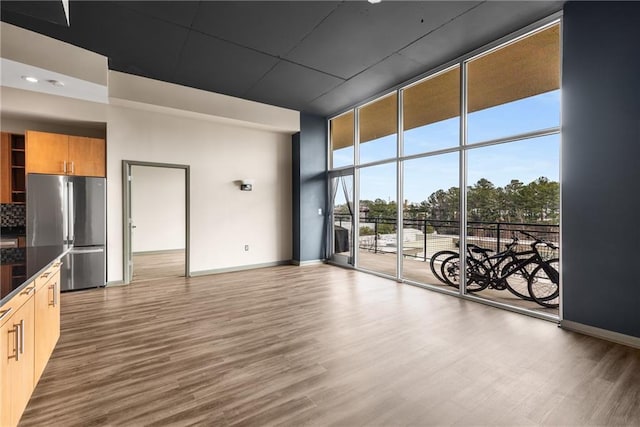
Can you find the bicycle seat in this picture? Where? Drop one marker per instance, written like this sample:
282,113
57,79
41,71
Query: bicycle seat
479,250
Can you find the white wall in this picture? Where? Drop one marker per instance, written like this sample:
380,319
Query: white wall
223,218
157,208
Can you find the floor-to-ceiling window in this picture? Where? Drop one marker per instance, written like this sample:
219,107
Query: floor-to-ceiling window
513,169
377,185
467,161
431,175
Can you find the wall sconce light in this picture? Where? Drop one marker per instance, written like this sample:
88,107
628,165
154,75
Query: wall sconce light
246,184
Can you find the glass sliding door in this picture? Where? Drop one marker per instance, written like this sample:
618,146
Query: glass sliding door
342,219
377,232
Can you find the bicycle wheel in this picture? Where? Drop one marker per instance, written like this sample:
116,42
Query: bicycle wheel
544,283
516,279
437,258
476,277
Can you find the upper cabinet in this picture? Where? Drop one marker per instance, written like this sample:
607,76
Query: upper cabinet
12,170
87,156
58,154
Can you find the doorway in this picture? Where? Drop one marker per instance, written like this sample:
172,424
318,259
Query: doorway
156,221
342,218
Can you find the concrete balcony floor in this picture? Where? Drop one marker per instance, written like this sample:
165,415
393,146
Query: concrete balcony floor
418,270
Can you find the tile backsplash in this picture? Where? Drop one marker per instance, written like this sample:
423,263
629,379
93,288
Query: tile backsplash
13,215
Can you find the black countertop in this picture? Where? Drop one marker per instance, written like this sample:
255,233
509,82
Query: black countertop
13,231
27,263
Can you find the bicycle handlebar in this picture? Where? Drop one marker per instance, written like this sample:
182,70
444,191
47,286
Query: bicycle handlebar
538,240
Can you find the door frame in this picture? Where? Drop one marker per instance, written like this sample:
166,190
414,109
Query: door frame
330,238
127,250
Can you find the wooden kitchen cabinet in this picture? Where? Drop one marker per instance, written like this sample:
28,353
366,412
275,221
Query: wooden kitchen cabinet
16,362
87,156
58,154
47,319
5,168
47,153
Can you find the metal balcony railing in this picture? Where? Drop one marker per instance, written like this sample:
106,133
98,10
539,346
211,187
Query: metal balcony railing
424,237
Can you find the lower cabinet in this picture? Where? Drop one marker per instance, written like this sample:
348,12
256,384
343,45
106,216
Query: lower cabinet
16,369
47,319
29,330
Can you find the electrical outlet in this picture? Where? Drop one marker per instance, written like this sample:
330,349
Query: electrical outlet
246,248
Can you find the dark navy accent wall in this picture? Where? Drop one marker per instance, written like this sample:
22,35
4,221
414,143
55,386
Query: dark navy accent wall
310,188
601,165
295,197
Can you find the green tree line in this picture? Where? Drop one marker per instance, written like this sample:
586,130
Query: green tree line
537,202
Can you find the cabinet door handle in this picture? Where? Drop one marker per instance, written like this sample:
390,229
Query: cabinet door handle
45,275
64,166
17,332
5,313
22,336
72,167
29,290
54,299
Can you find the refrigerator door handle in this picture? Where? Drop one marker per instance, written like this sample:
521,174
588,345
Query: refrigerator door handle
86,251
72,221
65,211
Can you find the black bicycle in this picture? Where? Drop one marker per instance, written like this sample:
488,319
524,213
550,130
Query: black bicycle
476,277
525,274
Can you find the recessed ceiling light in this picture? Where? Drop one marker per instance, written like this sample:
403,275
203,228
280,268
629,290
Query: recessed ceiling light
30,79
56,83
374,1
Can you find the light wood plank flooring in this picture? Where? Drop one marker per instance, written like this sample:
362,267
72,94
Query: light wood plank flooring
158,265
321,345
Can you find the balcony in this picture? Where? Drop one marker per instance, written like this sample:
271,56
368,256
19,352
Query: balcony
422,239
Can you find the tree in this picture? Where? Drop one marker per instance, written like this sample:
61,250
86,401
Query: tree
536,202
482,201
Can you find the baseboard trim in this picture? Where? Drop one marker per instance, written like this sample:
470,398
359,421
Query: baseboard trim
604,334
304,263
238,268
162,251
115,283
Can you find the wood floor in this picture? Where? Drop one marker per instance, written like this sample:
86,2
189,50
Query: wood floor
158,265
321,345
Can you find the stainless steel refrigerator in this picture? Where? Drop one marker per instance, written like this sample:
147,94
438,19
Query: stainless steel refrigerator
70,210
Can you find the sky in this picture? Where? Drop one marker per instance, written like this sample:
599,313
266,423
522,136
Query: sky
525,160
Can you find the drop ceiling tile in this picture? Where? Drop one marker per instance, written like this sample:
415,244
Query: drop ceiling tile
177,12
271,27
133,42
211,64
50,11
358,35
292,86
385,75
471,31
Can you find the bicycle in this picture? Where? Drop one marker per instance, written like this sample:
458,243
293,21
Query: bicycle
493,271
480,269
440,256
